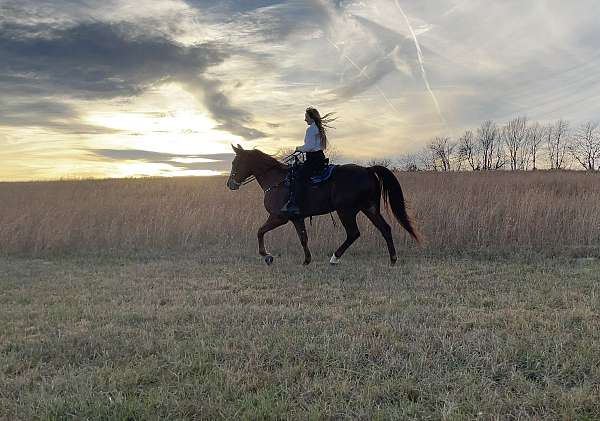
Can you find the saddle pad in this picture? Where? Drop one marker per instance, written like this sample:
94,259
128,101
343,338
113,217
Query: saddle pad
324,176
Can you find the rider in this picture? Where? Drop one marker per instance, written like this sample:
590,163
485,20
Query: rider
315,141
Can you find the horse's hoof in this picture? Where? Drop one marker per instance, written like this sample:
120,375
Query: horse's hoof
306,262
393,261
269,260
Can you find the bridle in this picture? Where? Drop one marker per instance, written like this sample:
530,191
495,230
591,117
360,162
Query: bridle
251,178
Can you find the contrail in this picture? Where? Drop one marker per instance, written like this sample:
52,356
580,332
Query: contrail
362,72
386,98
420,57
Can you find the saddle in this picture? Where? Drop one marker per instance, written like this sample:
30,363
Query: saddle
324,175
315,179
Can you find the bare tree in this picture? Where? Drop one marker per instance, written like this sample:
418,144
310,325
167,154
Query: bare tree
556,139
487,137
409,162
383,162
535,136
457,159
449,157
441,149
469,150
427,160
585,147
516,144
499,156
514,134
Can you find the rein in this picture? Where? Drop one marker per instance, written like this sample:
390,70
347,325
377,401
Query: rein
253,177
268,189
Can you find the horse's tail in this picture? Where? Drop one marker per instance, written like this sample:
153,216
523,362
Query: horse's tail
392,195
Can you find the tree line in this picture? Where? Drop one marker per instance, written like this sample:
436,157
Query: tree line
517,145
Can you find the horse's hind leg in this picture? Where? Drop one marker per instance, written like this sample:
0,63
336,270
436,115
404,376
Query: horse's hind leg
348,219
379,221
301,230
271,223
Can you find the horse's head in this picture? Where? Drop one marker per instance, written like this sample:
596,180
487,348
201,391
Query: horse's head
240,168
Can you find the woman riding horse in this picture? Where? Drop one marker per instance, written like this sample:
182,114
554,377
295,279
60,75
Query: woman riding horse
351,189
315,142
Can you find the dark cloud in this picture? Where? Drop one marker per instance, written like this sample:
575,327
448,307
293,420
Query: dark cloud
34,11
232,119
150,156
233,6
221,161
46,110
96,60
58,116
268,20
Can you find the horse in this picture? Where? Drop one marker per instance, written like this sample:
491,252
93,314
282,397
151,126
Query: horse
351,189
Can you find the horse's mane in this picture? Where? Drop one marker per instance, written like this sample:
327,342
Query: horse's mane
268,160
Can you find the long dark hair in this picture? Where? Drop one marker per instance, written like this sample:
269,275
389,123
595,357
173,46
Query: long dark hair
322,123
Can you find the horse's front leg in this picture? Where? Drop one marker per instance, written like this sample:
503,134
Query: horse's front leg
301,230
272,222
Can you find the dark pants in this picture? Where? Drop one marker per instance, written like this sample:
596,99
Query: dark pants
315,161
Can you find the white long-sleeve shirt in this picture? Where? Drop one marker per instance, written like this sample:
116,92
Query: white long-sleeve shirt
312,140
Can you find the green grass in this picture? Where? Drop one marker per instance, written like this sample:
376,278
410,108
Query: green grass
227,337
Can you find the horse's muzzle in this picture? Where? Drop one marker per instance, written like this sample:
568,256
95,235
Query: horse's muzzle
232,184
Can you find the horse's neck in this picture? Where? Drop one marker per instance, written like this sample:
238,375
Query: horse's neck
270,175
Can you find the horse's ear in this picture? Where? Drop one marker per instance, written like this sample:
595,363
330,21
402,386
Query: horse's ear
236,150
239,147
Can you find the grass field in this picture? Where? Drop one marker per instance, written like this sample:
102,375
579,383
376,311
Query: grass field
178,337
146,299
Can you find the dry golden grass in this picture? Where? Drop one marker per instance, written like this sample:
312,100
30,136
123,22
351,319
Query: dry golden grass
556,212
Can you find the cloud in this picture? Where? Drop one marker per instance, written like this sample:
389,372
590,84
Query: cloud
232,119
233,6
254,65
98,60
58,116
373,51
215,162
267,20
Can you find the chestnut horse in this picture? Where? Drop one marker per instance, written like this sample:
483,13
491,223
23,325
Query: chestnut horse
351,189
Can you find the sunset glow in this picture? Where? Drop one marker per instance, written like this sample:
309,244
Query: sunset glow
157,87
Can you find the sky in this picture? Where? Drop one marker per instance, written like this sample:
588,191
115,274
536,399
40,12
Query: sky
124,88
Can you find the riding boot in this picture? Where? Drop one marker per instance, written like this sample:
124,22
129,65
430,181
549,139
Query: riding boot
291,208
